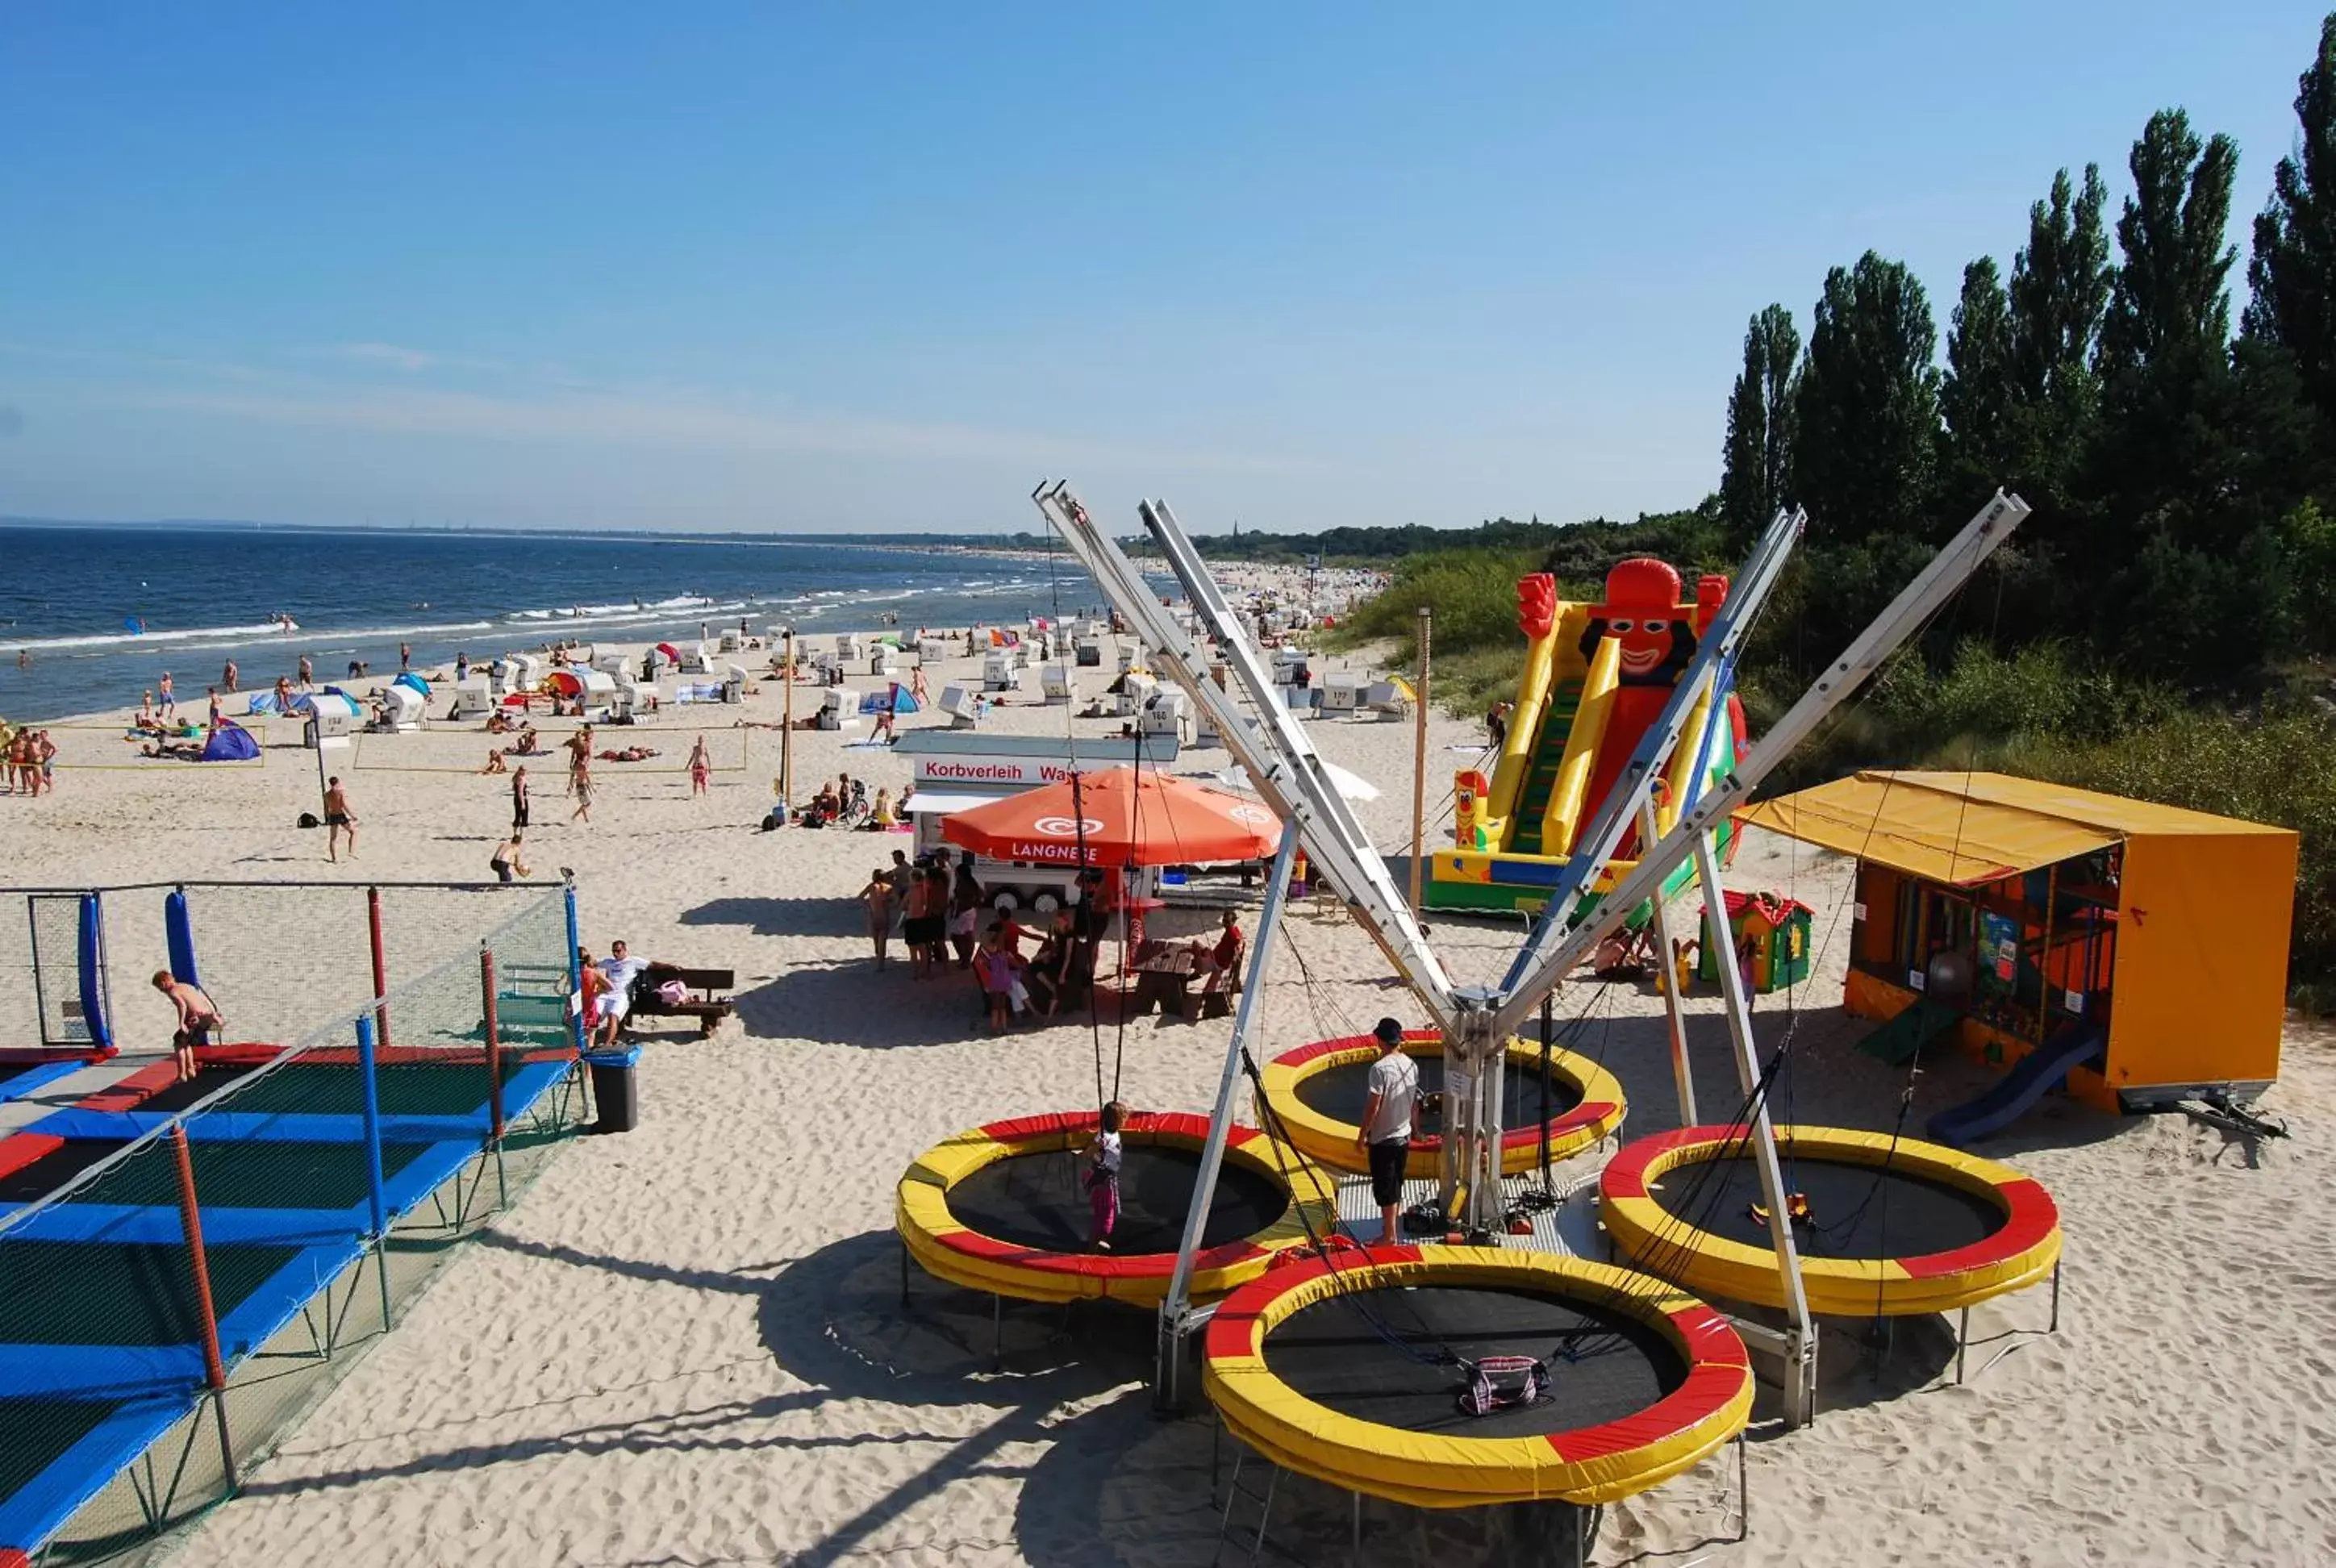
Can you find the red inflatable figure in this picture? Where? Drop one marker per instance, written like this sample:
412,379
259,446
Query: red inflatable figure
1536,605
1642,612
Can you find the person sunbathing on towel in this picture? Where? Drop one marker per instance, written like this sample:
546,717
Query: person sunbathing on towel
199,1016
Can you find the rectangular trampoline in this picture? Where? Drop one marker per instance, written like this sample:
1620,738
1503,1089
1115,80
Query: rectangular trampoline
101,1341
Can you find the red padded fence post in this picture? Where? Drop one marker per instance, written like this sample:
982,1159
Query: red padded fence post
190,1218
494,1045
380,965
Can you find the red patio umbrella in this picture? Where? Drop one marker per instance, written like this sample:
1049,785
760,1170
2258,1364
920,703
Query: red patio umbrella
1118,817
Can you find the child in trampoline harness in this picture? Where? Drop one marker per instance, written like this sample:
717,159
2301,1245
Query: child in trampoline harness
1103,1174
198,1016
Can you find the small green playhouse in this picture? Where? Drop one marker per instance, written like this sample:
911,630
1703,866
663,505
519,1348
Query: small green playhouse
1770,935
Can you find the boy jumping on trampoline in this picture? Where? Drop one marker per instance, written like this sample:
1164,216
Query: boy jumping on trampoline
1103,1157
199,1016
1386,1130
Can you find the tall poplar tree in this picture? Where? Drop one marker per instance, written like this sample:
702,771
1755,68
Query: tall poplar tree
2164,357
1866,418
1976,397
2058,293
1756,477
2291,276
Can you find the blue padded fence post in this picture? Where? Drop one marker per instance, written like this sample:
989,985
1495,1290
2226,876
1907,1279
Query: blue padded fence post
179,936
377,1208
575,965
91,965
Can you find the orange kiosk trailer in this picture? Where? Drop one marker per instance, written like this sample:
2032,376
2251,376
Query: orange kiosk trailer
2140,949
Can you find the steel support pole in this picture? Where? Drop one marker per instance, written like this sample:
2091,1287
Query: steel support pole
1169,1373
1800,1337
1667,966
377,1208
1419,756
1474,1080
787,733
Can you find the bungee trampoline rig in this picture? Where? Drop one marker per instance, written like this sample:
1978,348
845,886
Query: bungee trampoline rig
1472,1371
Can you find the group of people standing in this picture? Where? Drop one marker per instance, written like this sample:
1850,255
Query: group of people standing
31,760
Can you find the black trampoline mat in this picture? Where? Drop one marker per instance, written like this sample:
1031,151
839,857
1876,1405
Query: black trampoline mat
1341,1093
242,1174
1040,1200
1857,1211
1338,1353
40,1431
334,1090
121,1293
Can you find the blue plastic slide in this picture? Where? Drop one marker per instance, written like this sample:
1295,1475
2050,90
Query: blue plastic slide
2009,1096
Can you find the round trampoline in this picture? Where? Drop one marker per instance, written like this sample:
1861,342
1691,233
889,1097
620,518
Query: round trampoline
1354,1372
1318,1093
1003,1208
1894,1228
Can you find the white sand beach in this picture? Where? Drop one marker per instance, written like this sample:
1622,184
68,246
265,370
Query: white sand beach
686,1344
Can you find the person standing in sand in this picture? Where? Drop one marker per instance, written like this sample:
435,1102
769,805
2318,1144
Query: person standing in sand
1386,1129
878,896
579,754
338,819
170,698
579,780
199,1017
230,675
518,797
404,656
701,767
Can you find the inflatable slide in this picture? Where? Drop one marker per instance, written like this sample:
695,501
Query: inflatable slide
1596,675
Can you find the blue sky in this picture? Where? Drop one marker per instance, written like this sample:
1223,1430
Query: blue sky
846,267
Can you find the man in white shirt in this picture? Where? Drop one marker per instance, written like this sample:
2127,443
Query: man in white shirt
622,969
1386,1130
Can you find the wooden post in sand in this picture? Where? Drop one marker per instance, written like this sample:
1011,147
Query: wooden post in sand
787,735
1419,756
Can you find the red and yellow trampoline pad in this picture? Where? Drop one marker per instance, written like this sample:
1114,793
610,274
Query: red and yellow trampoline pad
1597,1112
949,1249
1587,1465
2023,1249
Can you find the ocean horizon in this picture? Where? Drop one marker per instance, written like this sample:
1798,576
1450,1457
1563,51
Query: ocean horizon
92,614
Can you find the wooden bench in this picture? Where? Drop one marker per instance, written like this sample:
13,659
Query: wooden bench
709,1002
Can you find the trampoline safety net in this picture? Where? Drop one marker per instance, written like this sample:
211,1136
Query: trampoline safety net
58,961
184,1265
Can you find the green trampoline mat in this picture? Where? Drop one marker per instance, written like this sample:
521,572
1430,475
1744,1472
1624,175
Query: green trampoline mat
38,1432
121,1293
259,1174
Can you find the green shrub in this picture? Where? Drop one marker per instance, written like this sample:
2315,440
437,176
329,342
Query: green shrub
1473,593
2271,769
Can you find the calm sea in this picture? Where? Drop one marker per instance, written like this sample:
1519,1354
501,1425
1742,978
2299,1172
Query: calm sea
89,617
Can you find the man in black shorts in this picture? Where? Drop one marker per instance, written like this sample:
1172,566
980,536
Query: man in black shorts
1386,1130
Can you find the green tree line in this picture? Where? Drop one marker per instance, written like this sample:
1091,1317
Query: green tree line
2156,628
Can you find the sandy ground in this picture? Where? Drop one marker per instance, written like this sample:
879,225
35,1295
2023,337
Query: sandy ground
687,1345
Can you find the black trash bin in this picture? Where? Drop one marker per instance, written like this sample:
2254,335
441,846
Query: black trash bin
614,1089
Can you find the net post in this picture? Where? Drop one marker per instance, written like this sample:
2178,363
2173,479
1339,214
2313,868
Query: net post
377,1208
191,1220
494,1045
574,968
380,962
